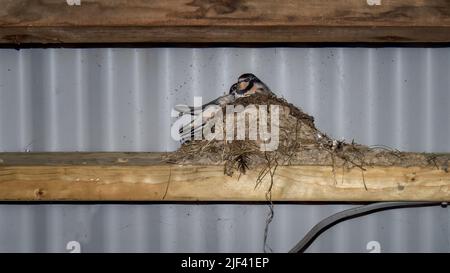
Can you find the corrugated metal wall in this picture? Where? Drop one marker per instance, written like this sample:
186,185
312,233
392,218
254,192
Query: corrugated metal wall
120,100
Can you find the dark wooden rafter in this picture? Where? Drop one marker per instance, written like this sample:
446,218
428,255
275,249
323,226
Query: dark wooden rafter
230,21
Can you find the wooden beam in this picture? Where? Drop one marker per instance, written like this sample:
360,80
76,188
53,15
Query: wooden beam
244,21
144,177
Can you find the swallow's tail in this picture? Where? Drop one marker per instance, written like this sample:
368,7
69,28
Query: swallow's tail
185,109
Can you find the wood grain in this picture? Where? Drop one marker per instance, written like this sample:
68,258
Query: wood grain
144,177
247,21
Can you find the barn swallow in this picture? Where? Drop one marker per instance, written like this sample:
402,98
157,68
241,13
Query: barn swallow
247,85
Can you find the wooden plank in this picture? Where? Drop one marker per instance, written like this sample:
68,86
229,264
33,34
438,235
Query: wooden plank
83,159
144,177
245,21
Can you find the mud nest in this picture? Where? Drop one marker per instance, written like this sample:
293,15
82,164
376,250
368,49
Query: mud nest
300,143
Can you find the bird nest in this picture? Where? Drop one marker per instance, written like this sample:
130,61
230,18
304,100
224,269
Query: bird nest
300,143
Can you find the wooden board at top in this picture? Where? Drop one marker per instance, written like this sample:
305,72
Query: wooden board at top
144,177
230,21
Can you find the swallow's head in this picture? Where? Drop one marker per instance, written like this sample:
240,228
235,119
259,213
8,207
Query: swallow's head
245,80
249,84
234,88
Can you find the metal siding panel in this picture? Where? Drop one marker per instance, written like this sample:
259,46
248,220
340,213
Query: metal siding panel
120,100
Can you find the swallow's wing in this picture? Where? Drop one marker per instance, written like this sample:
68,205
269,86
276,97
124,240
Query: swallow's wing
221,101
